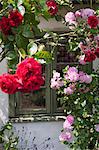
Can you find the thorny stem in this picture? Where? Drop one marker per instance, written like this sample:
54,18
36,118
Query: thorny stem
61,35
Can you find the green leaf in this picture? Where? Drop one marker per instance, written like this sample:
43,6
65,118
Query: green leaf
27,31
94,31
22,53
32,48
37,31
30,18
11,38
11,55
21,41
44,55
46,15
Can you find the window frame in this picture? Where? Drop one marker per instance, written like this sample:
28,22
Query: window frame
51,113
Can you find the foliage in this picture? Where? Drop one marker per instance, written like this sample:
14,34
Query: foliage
8,138
16,40
76,90
19,26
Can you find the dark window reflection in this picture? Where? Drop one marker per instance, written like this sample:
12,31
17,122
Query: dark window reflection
34,100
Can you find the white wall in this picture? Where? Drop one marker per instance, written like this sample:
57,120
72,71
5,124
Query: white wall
42,131
3,97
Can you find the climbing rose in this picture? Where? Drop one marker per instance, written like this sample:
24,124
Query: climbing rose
15,18
85,78
88,79
78,13
70,119
65,136
70,17
67,125
72,74
27,68
56,83
52,5
32,84
56,74
89,56
85,13
92,21
68,91
29,72
5,26
8,83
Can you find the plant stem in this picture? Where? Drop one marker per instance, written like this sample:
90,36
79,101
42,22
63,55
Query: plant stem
91,3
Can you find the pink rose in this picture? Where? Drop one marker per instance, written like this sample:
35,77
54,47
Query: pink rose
56,83
56,74
72,74
70,17
73,77
84,77
68,91
67,125
72,69
78,13
72,86
85,13
65,136
88,79
70,119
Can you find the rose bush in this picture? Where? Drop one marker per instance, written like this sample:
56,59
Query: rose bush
78,95
77,89
8,83
28,77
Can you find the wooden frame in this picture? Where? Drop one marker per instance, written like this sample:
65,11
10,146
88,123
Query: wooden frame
51,111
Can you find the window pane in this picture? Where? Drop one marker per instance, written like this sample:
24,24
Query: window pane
34,100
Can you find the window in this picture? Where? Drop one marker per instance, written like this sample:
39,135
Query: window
45,101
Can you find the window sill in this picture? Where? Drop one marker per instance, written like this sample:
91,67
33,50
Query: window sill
39,118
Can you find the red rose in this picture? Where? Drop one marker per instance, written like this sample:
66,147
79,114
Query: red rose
5,25
52,5
27,68
89,56
8,83
97,52
15,18
93,21
32,84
